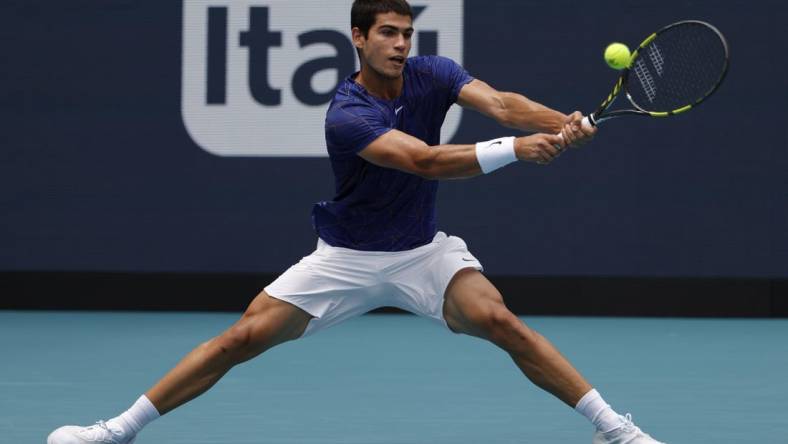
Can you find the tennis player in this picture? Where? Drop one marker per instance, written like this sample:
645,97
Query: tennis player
378,244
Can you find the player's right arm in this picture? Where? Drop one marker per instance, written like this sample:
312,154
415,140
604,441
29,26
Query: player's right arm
514,110
398,150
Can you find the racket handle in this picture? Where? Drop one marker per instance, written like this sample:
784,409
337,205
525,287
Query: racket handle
585,123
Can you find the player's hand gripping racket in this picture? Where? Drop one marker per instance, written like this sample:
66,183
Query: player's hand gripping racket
673,71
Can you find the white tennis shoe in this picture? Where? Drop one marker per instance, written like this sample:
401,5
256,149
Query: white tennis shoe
629,433
97,433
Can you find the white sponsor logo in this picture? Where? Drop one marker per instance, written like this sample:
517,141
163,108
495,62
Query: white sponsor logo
258,75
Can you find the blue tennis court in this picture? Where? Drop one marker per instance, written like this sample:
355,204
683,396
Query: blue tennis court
397,379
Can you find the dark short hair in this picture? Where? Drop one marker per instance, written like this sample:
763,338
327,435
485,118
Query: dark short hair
364,12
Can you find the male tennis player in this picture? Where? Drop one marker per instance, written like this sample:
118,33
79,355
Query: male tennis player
378,243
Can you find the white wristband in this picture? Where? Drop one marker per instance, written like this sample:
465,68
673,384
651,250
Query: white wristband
495,153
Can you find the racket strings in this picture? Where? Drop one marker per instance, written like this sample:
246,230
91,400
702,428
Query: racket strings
680,67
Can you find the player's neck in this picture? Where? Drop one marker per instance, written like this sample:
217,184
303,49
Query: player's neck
379,86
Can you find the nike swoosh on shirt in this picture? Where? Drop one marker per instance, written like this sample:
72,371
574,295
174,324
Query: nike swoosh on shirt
468,260
396,111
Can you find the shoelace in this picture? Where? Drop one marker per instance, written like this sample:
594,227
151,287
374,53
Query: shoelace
628,424
103,426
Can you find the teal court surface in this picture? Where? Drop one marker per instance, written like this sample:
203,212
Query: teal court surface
396,379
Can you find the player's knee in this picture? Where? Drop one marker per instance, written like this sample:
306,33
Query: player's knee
506,330
235,343
498,321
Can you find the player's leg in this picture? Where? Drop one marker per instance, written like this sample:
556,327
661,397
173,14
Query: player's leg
472,305
475,307
266,323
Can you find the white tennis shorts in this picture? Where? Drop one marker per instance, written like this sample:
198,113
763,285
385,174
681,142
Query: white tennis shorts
334,284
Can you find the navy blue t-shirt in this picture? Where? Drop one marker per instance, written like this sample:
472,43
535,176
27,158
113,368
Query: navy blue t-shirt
376,208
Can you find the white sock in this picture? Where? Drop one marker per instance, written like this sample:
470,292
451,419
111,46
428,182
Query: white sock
593,407
134,419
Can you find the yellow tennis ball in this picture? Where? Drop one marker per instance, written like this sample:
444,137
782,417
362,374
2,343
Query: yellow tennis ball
617,55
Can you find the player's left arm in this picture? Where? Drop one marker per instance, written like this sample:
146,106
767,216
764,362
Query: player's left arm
517,111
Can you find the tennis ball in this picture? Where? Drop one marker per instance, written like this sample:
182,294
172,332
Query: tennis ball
617,55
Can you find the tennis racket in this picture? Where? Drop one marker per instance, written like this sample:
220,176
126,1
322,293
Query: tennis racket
673,71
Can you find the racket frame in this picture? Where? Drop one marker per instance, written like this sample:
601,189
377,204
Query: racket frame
601,115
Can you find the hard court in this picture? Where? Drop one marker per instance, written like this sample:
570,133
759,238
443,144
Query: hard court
397,379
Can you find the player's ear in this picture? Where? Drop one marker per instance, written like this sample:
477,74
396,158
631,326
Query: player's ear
358,38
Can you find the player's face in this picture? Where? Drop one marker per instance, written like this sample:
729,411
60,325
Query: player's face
387,45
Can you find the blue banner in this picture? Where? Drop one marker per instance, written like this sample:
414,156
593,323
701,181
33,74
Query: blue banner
169,137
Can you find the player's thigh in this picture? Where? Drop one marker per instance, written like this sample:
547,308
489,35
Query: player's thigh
265,323
472,304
